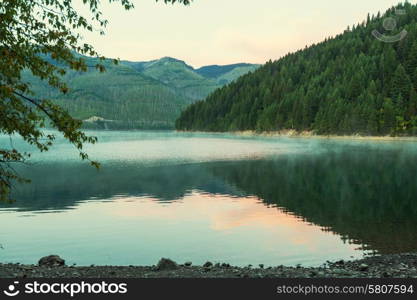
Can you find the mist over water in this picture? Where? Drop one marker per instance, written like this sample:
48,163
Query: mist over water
199,197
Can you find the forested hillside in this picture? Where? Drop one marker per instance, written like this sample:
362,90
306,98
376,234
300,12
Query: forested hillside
131,95
352,83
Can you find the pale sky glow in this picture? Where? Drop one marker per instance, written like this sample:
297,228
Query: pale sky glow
226,31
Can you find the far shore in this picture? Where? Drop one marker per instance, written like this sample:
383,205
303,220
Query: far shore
310,134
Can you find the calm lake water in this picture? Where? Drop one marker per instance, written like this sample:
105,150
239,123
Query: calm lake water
222,198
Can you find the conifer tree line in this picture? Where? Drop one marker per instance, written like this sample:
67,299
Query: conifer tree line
350,84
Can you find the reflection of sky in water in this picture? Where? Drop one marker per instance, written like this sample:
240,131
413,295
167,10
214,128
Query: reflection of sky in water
197,228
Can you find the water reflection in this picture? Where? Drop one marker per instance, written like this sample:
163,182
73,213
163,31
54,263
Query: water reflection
57,186
197,228
365,195
360,195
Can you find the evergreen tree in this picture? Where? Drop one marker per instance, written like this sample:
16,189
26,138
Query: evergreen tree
411,65
400,85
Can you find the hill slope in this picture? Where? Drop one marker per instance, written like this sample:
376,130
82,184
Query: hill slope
180,76
352,83
131,95
215,71
196,84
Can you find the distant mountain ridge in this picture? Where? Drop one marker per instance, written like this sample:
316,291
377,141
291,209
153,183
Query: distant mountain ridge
214,71
143,65
133,95
195,83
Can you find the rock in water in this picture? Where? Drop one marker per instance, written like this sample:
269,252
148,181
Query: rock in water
51,261
166,264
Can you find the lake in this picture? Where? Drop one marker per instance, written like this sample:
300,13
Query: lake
213,197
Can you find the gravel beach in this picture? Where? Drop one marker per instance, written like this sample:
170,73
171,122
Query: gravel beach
385,266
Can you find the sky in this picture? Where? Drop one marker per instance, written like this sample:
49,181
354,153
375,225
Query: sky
225,31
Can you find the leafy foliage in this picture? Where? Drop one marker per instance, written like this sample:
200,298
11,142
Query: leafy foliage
30,33
352,83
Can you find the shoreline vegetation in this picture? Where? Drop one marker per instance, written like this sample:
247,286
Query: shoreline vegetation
383,266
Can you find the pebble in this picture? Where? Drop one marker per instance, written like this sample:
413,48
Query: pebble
363,267
166,264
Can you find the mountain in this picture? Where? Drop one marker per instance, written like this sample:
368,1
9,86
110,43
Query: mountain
132,95
215,71
357,82
196,84
178,75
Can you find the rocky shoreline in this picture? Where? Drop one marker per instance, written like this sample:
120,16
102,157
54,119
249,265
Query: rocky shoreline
385,266
311,134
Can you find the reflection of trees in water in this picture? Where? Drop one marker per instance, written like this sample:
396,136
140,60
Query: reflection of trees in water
367,197
59,186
